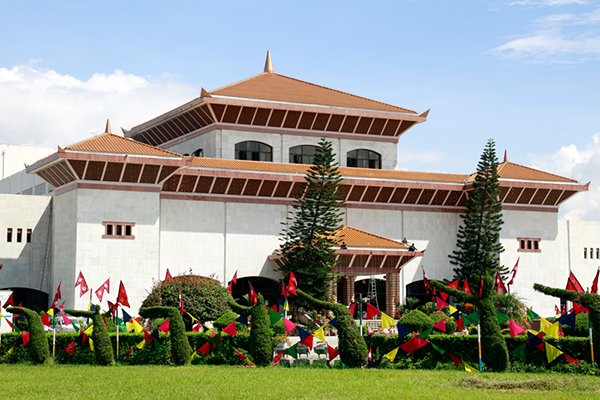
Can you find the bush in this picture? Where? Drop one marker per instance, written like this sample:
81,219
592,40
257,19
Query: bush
227,319
102,347
450,325
180,347
203,297
261,335
582,326
417,321
38,351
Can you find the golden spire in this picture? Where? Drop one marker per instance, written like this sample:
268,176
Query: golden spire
107,130
269,63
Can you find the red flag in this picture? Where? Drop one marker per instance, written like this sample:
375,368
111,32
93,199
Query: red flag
283,291
595,283
56,297
515,328
168,277
205,348
414,344
243,357
459,324
425,280
466,287
579,308
514,272
10,323
574,285
46,320
499,285
65,318
253,296
81,281
25,337
372,311
289,325
293,284
457,361
101,289
570,359
147,336
122,299
229,288
308,341
10,301
453,285
196,327
352,308
556,310
164,326
230,329
180,306
441,325
234,279
277,358
439,303
333,353
70,348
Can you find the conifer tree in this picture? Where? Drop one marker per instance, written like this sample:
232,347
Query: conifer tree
478,239
316,215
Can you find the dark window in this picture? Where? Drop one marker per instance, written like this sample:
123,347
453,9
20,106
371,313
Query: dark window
9,235
585,252
119,230
19,235
127,230
536,245
522,245
363,158
597,253
254,151
28,235
109,230
529,244
303,154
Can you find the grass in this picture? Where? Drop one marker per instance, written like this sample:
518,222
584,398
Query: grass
226,382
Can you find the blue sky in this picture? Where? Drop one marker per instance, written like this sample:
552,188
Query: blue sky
525,73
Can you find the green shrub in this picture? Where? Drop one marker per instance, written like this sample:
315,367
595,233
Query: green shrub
180,347
227,319
103,349
261,342
279,328
417,321
582,326
203,297
450,325
38,350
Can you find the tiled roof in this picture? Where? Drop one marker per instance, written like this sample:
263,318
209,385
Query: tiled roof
344,171
353,237
275,87
509,170
115,144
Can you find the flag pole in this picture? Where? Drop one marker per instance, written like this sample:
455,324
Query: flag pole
479,341
117,323
53,333
591,341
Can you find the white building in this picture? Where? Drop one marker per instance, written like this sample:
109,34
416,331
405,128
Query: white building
207,185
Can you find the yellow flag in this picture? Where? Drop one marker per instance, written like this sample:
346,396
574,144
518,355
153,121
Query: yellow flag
551,352
137,327
319,334
89,330
129,326
91,344
192,317
451,310
50,312
392,354
386,320
1,316
544,323
141,344
11,350
468,368
552,330
250,362
286,305
193,355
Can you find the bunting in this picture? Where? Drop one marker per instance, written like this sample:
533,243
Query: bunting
392,354
386,320
552,330
332,352
441,325
414,344
515,329
403,331
519,352
455,360
164,326
468,368
552,352
319,334
372,311
289,325
230,329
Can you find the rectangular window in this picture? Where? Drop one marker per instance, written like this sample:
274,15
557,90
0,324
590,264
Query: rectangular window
529,245
597,253
585,252
28,235
591,252
9,235
118,230
19,235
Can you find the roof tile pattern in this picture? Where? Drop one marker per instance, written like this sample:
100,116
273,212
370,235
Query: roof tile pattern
508,170
353,237
344,171
115,144
275,87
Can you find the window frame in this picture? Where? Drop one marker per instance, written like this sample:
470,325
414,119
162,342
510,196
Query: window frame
302,154
238,151
529,245
368,160
112,229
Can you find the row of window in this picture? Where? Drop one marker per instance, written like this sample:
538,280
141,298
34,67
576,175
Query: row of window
304,154
585,252
529,244
19,235
118,230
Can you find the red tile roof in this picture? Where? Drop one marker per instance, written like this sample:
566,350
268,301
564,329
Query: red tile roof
110,143
353,237
509,170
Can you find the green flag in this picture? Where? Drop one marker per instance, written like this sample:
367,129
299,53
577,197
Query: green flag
519,352
501,317
442,351
531,314
292,351
472,318
157,347
274,316
424,334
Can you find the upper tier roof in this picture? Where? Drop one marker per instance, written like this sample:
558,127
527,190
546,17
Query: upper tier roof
509,170
115,144
276,87
353,237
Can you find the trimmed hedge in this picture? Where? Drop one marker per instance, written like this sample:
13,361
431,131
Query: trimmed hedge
38,352
180,347
102,348
261,335
417,321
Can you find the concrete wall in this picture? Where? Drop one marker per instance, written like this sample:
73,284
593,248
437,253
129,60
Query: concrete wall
12,157
24,264
24,183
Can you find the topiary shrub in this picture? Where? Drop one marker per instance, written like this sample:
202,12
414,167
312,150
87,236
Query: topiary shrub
38,343
417,321
227,319
279,328
102,346
261,343
352,347
203,297
582,326
180,347
450,325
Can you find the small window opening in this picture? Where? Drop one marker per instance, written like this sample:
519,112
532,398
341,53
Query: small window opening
28,235
9,235
19,235
119,230
127,230
585,252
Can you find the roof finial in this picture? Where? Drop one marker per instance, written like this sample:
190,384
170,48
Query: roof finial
107,130
269,63
505,156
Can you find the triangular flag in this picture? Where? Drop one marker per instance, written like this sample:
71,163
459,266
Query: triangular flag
205,348
105,287
46,320
372,311
568,319
168,277
573,284
352,308
439,303
442,351
289,325
164,326
292,351
533,341
319,334
333,353
544,323
243,357
403,331
276,359
519,352
230,329
193,355
459,324
386,320
501,317
570,359
452,311
137,327
307,341
455,360
234,279
392,354
425,333
65,318
532,314
25,337
552,352
155,334
70,349
552,330
274,316
147,336
91,344
468,368
126,317
122,298
333,323
242,319
414,344
9,301
515,328
303,333
293,284
441,325
253,296
89,330
286,305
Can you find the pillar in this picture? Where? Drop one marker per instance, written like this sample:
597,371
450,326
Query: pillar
348,290
391,291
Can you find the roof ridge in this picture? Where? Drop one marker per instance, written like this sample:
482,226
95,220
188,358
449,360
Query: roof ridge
129,141
86,140
371,234
240,81
539,170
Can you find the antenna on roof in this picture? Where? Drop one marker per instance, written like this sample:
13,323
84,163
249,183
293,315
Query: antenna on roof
505,156
107,130
269,63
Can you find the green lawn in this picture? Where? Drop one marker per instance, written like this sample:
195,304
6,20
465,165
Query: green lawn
225,382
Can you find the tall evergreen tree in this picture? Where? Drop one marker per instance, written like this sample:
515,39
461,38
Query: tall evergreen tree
478,240
311,224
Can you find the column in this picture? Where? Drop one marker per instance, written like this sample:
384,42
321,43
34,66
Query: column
391,291
348,289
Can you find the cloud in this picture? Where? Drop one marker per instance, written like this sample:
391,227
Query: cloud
582,164
41,107
546,3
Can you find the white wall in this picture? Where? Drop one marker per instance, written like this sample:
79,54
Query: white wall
14,157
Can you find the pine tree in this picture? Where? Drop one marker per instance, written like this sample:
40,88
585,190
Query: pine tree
478,240
316,215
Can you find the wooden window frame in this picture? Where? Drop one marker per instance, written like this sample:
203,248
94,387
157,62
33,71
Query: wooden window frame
529,245
114,227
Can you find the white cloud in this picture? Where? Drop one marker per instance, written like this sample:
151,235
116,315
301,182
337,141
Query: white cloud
583,165
546,3
425,156
45,108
